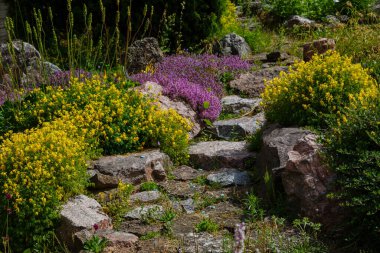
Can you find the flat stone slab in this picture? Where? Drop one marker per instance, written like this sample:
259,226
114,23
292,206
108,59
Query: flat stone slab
134,168
101,181
146,196
225,214
116,239
239,128
181,189
188,205
228,177
186,173
202,242
221,154
185,224
139,228
157,245
151,210
237,105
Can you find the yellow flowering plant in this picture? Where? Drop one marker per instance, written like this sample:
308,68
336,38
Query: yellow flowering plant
111,116
39,169
316,90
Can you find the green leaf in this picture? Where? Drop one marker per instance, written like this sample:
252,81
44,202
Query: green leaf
208,122
206,104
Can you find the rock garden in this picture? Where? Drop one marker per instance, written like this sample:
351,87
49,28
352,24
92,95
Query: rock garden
232,126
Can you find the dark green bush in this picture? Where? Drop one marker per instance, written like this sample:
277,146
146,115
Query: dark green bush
353,147
351,6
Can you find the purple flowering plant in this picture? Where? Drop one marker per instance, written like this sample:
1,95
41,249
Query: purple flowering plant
194,79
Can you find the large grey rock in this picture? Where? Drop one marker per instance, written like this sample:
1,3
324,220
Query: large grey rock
221,154
18,53
183,109
235,104
146,196
150,211
134,168
273,156
239,128
299,21
143,53
44,66
78,216
252,84
307,181
227,177
23,62
232,44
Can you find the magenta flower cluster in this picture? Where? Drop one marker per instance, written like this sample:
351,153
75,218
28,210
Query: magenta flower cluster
194,79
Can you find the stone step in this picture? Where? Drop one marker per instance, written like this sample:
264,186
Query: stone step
221,154
131,168
237,105
239,128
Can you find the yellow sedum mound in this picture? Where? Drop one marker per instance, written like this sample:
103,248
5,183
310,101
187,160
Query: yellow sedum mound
319,89
39,169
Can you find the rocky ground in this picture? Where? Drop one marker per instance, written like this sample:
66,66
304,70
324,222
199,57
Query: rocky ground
164,217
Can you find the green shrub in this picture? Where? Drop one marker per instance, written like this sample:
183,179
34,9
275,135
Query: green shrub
353,146
316,90
314,9
39,170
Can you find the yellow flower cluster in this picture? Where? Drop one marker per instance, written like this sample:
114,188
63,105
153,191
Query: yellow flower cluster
313,90
40,168
113,117
228,20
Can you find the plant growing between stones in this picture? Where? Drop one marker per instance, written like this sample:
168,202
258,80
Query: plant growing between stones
252,207
95,244
117,204
206,225
149,186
